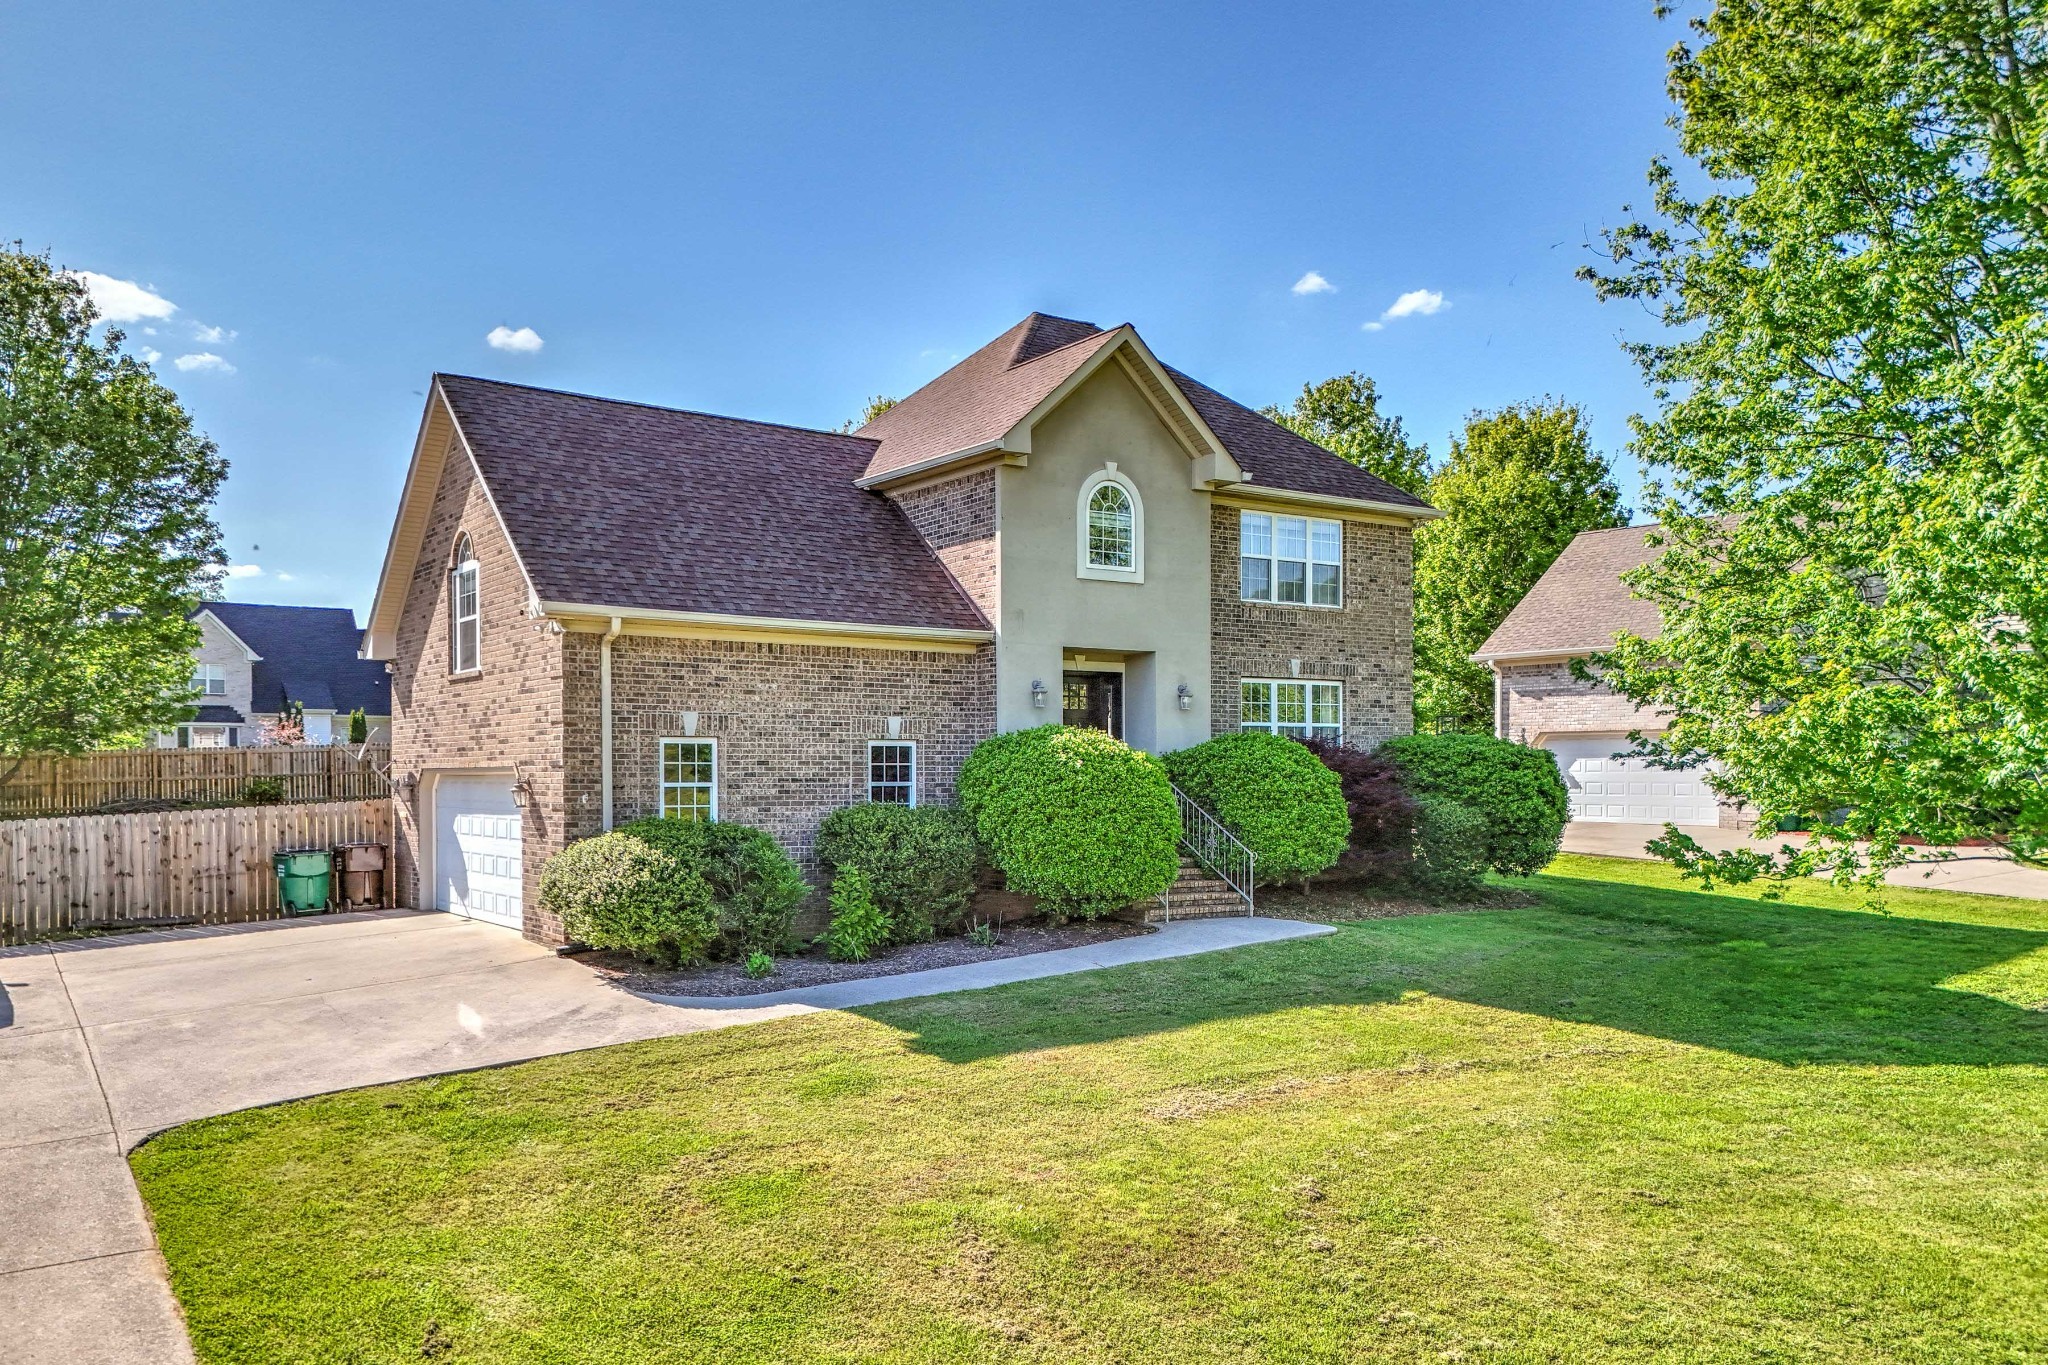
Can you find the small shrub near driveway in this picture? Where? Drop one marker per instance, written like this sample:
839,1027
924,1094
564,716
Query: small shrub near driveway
919,863
621,890
859,926
1516,789
1074,817
1271,792
755,887
1450,849
1383,815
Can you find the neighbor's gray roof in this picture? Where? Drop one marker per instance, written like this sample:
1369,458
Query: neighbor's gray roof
308,656
626,505
1580,604
974,403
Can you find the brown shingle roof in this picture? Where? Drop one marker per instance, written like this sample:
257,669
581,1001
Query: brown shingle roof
624,505
1580,603
978,400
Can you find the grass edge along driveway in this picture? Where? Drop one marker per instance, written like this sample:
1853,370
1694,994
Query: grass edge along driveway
1631,1122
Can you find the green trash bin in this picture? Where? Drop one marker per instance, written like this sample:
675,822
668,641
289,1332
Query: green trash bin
302,879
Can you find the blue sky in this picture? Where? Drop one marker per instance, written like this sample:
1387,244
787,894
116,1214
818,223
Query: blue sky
775,210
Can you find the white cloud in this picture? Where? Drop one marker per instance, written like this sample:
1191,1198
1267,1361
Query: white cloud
150,355
1314,283
212,336
282,576
1415,303
505,339
1375,326
243,571
123,300
203,360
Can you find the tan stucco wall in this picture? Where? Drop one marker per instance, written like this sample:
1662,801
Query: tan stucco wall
1164,619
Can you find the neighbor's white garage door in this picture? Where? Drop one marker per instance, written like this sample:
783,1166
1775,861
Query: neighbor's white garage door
476,849
1604,787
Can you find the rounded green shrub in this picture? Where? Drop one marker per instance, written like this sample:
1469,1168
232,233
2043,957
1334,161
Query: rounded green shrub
1073,816
859,926
919,862
620,890
1279,798
755,886
1450,842
1516,789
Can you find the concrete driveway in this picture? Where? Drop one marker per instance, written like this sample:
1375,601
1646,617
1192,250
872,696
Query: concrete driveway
1972,869
104,1042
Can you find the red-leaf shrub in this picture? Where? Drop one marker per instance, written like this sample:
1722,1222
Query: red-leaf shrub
1384,816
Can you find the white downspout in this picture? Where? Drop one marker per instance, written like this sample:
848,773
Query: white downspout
604,723
1500,704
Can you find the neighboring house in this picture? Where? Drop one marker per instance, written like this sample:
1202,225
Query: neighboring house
253,661
1576,609
600,610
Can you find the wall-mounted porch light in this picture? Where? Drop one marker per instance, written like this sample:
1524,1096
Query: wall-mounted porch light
1038,693
1185,697
522,793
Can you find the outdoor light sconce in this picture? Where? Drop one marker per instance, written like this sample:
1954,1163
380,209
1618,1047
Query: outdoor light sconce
1038,693
405,785
522,793
894,727
1185,697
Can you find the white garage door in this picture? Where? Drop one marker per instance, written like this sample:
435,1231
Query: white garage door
1604,787
476,849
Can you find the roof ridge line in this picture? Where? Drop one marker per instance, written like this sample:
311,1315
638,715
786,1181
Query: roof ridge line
1096,335
655,407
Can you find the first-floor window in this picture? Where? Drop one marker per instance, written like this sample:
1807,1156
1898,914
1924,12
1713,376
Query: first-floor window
1301,710
892,772
689,779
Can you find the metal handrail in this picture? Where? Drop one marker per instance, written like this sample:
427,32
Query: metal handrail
1221,853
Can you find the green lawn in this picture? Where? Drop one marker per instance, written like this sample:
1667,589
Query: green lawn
1630,1122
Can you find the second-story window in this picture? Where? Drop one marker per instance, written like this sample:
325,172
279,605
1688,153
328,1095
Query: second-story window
1294,561
210,680
1112,529
464,622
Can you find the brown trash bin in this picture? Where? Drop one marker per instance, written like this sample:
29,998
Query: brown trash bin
359,876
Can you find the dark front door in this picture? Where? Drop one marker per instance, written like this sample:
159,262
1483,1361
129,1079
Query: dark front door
1095,700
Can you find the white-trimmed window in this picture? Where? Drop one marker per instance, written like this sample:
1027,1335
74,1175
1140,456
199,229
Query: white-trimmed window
1111,521
689,779
210,680
464,623
1298,709
1293,561
892,772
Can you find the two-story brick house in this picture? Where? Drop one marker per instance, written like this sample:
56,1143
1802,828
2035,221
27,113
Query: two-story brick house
255,662
598,610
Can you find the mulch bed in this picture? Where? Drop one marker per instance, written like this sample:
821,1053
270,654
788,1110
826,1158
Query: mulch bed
813,968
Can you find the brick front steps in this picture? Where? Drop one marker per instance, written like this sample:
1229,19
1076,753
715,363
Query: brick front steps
1195,894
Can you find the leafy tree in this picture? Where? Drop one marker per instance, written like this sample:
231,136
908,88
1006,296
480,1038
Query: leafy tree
1853,434
1517,486
872,409
1342,414
106,538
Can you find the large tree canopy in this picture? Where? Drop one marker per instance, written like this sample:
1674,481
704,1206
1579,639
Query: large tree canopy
1853,438
1517,486
1342,414
106,541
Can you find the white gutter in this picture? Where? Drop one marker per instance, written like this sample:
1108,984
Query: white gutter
604,707
926,465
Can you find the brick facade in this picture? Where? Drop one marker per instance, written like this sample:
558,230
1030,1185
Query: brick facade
506,716
957,518
1368,644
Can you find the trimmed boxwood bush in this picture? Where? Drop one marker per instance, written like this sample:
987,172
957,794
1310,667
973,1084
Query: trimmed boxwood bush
1074,817
755,887
1383,814
1450,840
1271,792
919,863
620,890
1515,788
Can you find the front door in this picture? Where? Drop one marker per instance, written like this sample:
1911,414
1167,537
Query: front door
1095,700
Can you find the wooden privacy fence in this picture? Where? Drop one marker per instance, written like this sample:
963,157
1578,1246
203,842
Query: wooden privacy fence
65,784
181,866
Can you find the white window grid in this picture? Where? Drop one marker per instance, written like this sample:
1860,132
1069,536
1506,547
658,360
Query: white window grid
688,778
1299,708
210,680
892,771
1290,561
464,622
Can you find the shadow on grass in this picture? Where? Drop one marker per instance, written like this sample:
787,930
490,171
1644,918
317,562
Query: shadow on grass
1784,983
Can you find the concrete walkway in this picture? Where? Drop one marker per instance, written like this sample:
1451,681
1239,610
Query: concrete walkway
1982,870
106,1041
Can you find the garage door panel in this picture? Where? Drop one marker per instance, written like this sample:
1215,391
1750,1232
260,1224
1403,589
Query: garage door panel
478,849
1605,787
